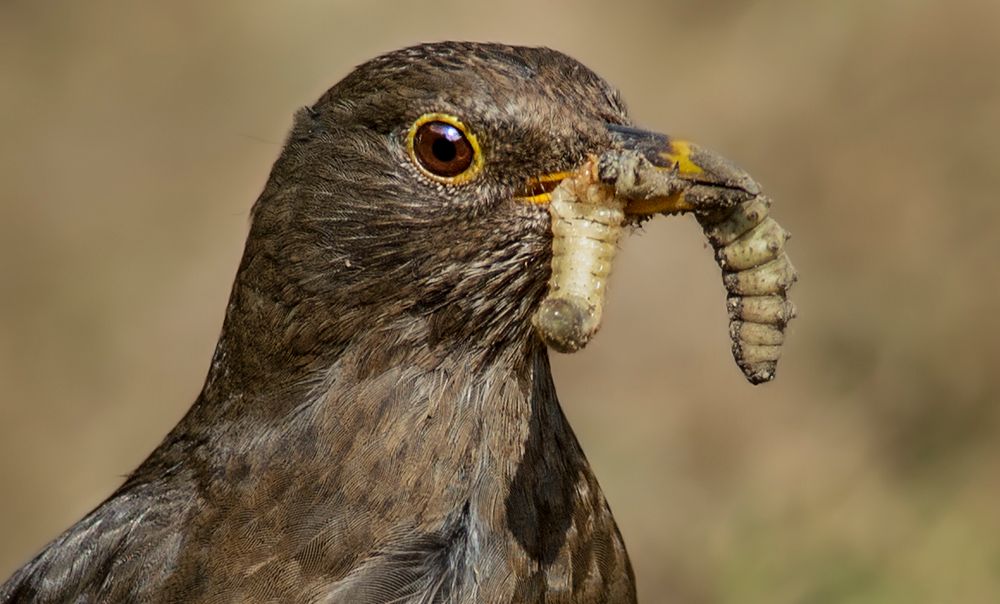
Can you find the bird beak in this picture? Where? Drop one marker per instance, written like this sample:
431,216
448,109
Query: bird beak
539,189
702,177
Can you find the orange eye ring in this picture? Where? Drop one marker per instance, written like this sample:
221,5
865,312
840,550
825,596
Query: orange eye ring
444,149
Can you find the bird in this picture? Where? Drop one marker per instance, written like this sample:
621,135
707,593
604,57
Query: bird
379,422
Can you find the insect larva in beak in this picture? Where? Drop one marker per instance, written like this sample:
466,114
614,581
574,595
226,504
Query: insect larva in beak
589,207
587,222
749,247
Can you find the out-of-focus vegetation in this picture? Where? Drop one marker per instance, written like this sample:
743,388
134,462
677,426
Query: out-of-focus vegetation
136,136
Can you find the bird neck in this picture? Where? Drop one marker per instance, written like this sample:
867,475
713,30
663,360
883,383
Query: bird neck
419,433
396,446
387,394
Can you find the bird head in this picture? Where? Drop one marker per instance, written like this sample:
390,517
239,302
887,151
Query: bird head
411,201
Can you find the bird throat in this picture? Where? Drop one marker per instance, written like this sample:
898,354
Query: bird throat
437,455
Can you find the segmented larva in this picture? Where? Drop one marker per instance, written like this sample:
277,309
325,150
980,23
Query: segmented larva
587,220
756,271
749,247
588,210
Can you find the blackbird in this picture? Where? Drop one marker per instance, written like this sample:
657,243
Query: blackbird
379,422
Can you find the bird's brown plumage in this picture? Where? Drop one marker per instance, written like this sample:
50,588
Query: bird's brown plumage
379,423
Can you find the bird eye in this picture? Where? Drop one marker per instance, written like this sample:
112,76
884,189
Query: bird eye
442,146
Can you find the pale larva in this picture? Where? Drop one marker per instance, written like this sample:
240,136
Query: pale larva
756,271
587,220
589,208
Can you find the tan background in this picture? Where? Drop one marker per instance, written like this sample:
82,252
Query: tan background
135,136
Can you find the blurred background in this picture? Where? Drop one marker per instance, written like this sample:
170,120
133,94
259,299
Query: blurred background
135,137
